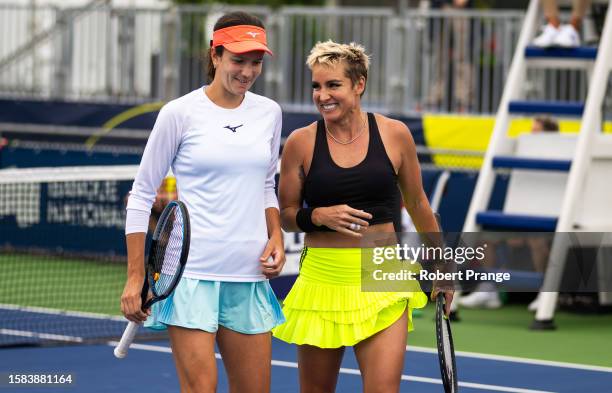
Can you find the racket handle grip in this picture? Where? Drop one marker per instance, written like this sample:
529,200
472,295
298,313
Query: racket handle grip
126,340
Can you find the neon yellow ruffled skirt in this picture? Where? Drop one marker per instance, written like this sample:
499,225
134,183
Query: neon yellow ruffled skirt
327,308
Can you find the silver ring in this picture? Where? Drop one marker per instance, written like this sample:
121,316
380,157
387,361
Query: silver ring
354,227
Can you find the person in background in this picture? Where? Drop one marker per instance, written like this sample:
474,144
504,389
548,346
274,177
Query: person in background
486,295
454,79
556,34
544,124
539,247
165,194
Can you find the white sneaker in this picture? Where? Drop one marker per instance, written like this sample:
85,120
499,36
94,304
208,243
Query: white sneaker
533,306
568,37
481,300
547,37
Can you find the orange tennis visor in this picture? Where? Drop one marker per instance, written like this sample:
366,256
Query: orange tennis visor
241,39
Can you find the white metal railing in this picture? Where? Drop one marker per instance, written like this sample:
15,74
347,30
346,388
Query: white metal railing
438,60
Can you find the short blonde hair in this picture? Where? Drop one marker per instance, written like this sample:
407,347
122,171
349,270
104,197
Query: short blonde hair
331,53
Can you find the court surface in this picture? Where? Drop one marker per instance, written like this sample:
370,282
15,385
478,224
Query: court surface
150,368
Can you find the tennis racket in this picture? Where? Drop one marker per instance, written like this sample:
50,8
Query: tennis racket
446,350
164,267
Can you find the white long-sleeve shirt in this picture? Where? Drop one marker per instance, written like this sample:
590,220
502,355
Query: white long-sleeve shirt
224,161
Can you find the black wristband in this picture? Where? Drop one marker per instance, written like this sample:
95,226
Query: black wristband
303,219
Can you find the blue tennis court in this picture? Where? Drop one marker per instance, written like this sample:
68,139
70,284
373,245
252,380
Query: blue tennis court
95,369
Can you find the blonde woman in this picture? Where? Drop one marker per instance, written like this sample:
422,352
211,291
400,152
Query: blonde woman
348,168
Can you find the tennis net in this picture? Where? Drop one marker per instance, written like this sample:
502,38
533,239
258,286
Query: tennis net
62,254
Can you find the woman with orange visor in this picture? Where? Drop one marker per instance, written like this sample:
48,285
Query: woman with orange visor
222,143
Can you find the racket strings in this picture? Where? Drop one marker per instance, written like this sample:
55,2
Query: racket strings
446,343
167,253
445,350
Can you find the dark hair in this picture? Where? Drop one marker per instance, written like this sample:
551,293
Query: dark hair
548,123
231,19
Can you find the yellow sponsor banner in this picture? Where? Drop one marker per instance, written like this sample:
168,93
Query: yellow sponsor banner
461,132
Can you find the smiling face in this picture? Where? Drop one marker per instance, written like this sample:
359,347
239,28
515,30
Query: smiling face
237,72
333,92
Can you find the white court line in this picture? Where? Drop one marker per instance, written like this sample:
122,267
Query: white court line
351,371
44,336
474,355
53,311
513,359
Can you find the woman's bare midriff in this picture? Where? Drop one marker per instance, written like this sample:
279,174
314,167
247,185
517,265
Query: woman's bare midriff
374,236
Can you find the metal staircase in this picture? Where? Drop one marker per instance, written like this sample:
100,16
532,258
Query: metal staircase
584,178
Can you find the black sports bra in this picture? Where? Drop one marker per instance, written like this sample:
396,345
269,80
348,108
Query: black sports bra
370,185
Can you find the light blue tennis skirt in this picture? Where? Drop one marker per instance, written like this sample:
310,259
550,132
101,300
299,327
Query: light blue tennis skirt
244,307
